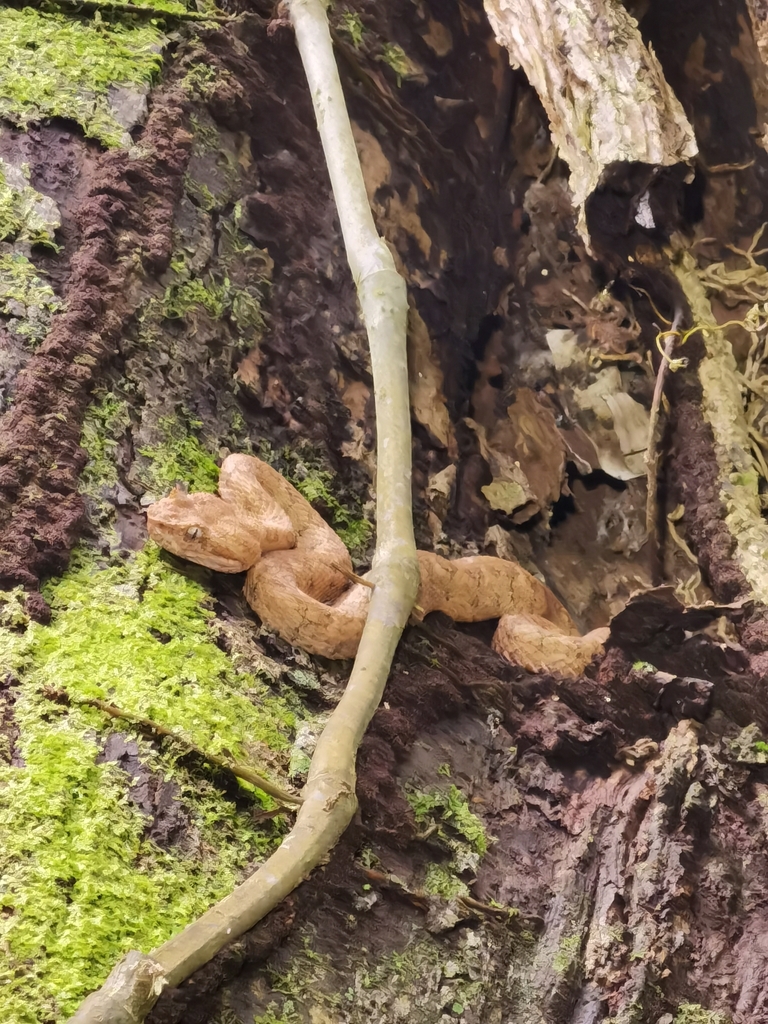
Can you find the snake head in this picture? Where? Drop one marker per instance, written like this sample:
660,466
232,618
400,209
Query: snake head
205,529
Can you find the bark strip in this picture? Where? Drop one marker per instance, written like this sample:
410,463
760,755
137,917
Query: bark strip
329,795
604,92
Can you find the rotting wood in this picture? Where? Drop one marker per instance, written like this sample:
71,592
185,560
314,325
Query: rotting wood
603,90
329,795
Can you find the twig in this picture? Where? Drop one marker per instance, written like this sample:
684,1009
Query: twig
652,451
420,898
352,576
240,771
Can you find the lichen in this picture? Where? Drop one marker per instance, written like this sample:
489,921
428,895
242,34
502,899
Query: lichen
26,299
179,457
52,65
81,882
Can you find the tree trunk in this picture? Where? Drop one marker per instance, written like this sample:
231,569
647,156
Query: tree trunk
173,287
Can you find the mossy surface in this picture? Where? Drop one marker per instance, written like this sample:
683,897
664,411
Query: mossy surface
81,882
567,954
179,457
26,299
25,214
56,66
105,421
694,1013
440,880
449,810
302,466
218,299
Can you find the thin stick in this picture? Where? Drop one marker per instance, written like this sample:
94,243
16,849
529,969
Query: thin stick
240,771
652,451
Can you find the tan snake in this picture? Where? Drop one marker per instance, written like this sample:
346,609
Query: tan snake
298,573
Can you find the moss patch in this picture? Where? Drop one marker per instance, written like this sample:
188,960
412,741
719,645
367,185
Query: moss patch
25,214
567,954
106,420
303,468
694,1013
449,810
81,883
26,299
55,66
179,457
440,880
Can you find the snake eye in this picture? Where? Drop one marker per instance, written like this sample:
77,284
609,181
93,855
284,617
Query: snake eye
194,532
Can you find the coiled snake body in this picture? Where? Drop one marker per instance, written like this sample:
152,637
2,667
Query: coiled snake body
298,573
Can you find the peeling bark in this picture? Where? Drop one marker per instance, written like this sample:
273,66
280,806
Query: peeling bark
603,90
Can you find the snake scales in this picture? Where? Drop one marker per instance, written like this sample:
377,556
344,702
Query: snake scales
298,573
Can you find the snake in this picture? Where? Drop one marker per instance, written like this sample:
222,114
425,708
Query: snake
300,580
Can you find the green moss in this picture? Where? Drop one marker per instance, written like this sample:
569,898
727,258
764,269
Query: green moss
567,954
179,457
81,882
241,305
206,135
315,487
440,880
352,25
395,57
56,66
201,79
26,298
185,296
13,613
106,421
278,1015
451,807
302,467
694,1013
200,193
25,214
645,667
